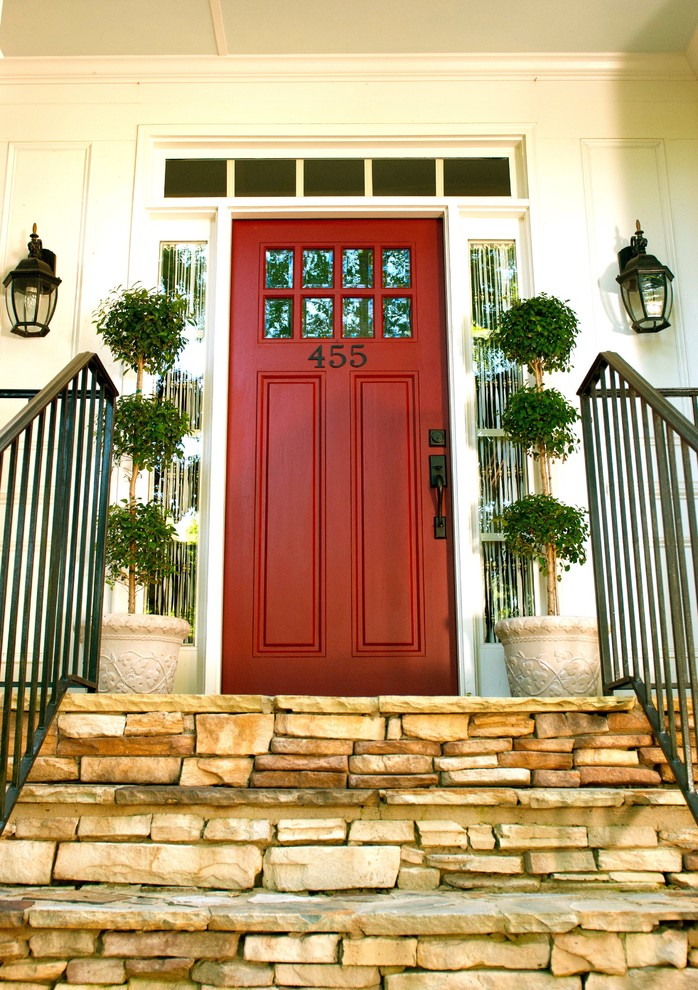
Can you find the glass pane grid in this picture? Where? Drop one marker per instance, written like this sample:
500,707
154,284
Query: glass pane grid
274,177
290,275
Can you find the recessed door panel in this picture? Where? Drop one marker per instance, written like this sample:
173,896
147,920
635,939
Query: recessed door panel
389,597
288,530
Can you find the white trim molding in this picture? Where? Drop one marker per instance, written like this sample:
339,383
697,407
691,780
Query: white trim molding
414,68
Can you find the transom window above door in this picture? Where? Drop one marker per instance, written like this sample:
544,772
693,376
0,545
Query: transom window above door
337,291
300,177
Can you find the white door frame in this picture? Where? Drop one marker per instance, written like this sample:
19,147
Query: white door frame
155,220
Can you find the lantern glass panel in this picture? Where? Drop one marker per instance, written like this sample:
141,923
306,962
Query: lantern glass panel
653,289
633,300
31,304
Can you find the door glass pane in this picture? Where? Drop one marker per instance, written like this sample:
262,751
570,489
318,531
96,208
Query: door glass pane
317,317
502,472
195,177
357,317
317,269
396,268
279,269
397,316
357,268
278,318
508,584
494,282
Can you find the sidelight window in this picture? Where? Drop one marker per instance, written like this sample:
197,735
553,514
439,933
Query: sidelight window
183,269
508,581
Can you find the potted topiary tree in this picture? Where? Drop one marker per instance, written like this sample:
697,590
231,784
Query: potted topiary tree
145,331
545,655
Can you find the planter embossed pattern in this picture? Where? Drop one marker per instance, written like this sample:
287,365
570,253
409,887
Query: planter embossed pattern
551,656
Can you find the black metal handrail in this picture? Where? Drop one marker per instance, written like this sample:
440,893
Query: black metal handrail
641,459
55,459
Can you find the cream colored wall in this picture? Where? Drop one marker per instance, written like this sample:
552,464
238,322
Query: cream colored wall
603,152
603,147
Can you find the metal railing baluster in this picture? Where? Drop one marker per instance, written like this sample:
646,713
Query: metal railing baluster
55,466
641,453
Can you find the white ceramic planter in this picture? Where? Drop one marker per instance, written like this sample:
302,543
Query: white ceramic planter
551,656
139,653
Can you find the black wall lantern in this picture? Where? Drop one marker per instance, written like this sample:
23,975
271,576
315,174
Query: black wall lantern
645,286
31,290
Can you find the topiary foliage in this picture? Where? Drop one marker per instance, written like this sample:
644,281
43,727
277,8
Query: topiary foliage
541,422
139,539
143,328
145,331
536,522
148,430
540,333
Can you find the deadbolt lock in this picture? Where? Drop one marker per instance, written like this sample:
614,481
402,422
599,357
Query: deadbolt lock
437,438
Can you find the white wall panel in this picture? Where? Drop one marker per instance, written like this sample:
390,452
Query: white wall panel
682,158
626,180
107,242
46,185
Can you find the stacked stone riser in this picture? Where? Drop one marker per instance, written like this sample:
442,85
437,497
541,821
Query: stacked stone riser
384,843
316,794
355,743
157,941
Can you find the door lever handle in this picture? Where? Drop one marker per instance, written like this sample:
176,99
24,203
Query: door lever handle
438,479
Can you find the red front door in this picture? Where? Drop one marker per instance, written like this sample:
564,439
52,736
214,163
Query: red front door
334,580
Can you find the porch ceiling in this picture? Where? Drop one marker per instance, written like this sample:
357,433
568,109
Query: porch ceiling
93,28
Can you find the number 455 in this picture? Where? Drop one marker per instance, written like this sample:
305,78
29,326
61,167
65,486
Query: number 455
337,356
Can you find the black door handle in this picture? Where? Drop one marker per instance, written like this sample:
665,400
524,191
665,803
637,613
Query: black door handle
438,479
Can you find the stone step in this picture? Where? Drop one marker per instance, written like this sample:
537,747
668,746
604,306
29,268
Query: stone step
110,937
176,843
356,743
329,840
455,793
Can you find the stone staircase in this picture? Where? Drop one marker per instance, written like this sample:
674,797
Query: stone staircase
398,843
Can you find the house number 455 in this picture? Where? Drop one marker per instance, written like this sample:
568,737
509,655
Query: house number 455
336,356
